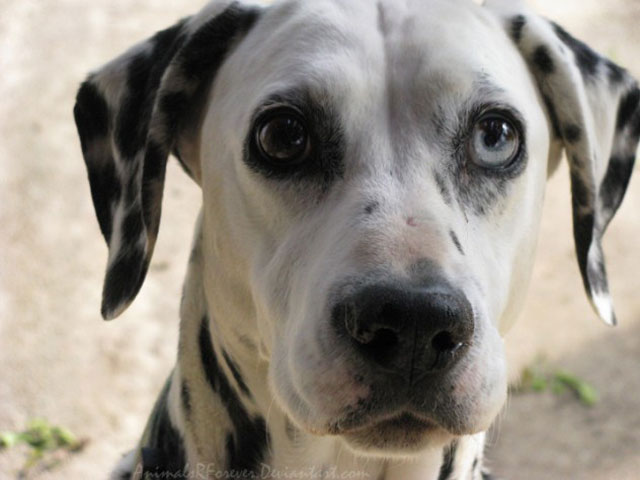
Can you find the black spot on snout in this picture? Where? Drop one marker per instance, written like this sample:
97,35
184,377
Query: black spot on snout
456,241
542,60
443,188
371,207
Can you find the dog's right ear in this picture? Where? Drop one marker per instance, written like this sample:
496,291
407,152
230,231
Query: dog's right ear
130,116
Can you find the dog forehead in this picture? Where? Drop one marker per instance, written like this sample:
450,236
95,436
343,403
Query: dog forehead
344,50
385,67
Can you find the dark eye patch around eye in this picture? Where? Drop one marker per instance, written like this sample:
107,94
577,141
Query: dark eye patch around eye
295,118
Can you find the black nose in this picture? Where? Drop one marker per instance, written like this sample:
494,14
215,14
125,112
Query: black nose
408,330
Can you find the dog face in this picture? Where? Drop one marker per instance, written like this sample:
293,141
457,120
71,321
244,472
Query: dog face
374,188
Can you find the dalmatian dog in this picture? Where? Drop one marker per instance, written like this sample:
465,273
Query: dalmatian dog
372,177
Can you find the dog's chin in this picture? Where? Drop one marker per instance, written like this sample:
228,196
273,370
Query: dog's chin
402,435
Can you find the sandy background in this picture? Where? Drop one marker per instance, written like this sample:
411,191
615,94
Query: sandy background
59,361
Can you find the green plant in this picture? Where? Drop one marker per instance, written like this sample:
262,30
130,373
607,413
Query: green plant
41,438
541,377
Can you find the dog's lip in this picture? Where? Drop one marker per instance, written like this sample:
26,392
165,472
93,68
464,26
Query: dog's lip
405,420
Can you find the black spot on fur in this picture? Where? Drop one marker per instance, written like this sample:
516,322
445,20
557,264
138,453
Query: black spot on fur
615,183
153,174
628,108
615,73
371,207
143,79
572,133
582,194
163,452
553,116
447,462
207,48
132,229
123,278
583,235
456,241
597,273
246,446
174,106
185,395
487,476
587,60
105,192
236,374
291,430
517,24
91,114
542,60
443,188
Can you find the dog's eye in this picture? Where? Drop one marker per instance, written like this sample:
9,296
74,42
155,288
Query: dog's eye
282,138
494,142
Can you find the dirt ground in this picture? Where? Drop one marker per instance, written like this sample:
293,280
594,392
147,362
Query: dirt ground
59,361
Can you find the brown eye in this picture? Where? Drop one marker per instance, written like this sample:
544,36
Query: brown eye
494,142
282,138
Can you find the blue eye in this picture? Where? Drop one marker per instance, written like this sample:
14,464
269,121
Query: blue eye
494,142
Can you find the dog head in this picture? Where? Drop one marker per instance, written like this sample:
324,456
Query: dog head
372,178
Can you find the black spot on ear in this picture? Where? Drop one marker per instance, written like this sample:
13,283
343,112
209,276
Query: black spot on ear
447,462
153,173
542,60
132,228
615,73
517,24
628,107
105,192
553,116
583,234
91,114
615,182
456,242
124,276
143,78
208,47
174,106
572,133
587,60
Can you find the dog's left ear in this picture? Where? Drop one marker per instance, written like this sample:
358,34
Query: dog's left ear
131,114
593,108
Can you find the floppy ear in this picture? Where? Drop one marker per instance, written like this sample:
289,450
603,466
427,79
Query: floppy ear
593,106
130,116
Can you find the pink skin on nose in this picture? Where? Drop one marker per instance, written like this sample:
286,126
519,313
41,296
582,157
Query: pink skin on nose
411,221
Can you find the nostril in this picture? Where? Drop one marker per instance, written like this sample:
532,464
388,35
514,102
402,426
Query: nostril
444,342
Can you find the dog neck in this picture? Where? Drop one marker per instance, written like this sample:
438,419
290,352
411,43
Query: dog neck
219,401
